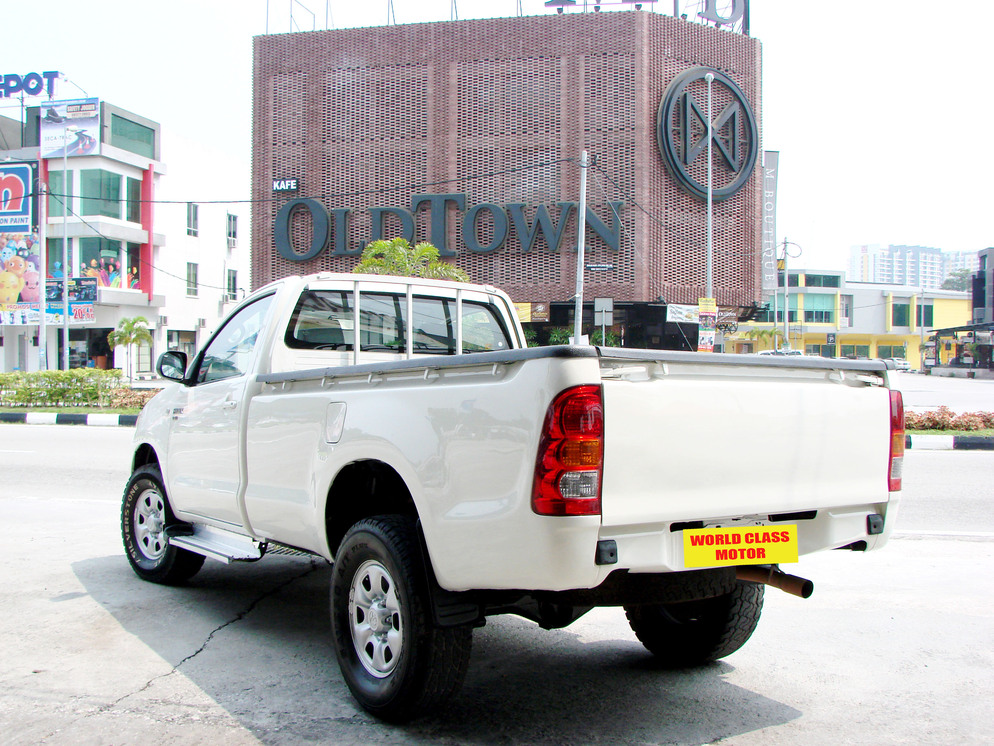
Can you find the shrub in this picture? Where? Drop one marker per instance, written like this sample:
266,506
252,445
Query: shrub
131,398
58,388
939,419
967,421
912,421
944,418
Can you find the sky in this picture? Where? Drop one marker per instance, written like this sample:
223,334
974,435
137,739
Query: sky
881,110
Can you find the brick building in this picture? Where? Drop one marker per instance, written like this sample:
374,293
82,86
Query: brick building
468,134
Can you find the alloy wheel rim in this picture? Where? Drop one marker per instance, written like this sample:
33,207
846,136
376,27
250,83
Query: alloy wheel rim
375,619
150,524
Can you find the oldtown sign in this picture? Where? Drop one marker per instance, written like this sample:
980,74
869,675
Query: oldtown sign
682,134
332,228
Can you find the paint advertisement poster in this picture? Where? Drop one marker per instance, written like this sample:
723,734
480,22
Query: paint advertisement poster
70,128
17,199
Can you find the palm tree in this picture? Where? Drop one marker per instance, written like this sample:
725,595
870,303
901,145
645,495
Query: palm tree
133,331
396,257
773,334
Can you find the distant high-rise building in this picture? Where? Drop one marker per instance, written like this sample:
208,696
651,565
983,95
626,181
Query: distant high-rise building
956,260
914,266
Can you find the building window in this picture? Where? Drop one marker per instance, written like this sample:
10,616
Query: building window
192,219
928,315
53,257
820,350
900,315
821,281
819,309
57,194
232,230
143,360
134,204
854,351
232,284
885,351
133,267
131,136
191,279
101,193
845,310
100,258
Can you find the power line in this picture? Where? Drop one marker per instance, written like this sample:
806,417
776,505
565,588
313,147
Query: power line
341,195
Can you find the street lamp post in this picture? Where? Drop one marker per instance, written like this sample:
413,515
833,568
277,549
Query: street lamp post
710,259
786,289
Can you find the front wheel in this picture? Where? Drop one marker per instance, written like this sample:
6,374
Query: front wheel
396,661
692,633
145,516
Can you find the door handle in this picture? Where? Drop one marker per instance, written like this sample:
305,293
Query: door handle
229,404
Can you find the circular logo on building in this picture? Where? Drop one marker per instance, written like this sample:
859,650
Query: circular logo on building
682,133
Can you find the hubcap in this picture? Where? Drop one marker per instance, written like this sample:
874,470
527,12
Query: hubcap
150,524
374,617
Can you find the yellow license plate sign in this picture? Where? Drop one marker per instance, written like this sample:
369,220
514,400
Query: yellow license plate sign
740,545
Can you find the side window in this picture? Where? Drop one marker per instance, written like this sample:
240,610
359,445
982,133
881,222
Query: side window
434,326
322,320
482,331
230,351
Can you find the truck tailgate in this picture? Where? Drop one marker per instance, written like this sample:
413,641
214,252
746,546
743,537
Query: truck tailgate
687,442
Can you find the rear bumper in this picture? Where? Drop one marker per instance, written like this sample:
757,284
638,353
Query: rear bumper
659,548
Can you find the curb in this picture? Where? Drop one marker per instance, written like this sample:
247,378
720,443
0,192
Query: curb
949,442
51,418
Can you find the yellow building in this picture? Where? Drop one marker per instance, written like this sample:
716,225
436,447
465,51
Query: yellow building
830,317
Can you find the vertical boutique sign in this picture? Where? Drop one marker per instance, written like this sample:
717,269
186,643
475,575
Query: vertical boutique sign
771,161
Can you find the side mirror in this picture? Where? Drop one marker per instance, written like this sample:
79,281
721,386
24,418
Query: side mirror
172,365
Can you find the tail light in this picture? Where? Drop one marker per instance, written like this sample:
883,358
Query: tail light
570,459
896,465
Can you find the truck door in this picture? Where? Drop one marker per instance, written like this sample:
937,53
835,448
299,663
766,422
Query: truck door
204,469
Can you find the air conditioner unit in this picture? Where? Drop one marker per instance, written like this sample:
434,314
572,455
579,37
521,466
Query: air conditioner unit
201,323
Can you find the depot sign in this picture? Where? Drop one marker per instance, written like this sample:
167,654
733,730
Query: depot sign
331,228
32,84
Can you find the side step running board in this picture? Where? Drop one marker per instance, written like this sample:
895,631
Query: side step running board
219,544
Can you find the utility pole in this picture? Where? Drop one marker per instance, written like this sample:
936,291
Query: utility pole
581,228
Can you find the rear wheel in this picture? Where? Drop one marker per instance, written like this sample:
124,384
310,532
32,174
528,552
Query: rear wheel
692,633
396,661
145,516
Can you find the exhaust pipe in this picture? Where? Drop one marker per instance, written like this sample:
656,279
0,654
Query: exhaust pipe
773,576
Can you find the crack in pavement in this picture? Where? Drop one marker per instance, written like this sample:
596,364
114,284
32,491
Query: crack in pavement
314,566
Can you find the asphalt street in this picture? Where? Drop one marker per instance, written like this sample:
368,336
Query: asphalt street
895,646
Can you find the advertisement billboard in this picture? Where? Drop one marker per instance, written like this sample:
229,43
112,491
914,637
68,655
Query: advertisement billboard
70,128
17,199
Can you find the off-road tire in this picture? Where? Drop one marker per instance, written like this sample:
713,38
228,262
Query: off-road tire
396,661
145,516
681,635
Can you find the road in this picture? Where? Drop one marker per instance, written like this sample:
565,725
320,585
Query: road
895,646
922,393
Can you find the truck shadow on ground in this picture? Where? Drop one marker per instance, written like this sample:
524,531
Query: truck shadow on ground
255,638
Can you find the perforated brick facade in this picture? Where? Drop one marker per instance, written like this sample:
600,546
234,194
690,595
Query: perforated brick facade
499,110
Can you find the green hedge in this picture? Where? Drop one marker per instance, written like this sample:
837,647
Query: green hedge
58,388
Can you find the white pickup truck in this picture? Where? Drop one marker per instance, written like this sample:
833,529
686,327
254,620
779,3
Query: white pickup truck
401,429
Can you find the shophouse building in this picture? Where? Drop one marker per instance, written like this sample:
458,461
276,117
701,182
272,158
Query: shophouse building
828,315
469,134
127,250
